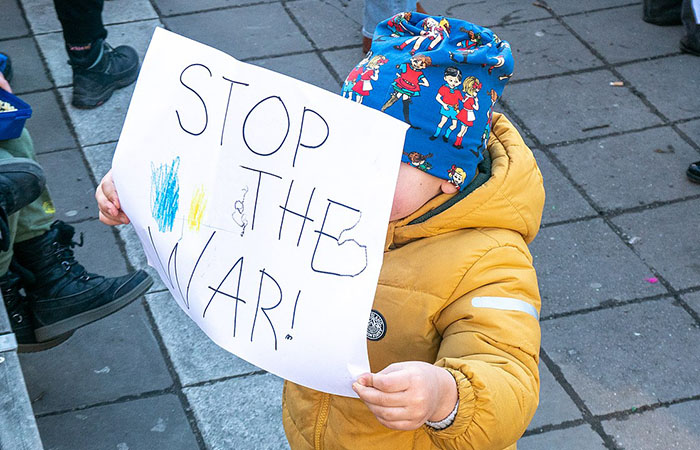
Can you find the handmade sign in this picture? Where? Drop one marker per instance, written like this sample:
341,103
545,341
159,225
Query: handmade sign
263,203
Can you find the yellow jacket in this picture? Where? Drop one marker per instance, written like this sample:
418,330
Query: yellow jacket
457,288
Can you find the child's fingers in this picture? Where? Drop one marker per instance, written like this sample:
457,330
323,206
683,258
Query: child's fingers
110,191
375,397
391,380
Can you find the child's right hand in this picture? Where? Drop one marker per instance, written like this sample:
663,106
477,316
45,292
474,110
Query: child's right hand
108,202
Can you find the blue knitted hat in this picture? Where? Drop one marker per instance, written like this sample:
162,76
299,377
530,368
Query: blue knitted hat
442,76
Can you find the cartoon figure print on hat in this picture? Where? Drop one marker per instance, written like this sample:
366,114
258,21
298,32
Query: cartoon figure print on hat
448,74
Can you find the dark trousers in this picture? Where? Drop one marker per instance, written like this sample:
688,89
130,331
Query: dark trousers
81,20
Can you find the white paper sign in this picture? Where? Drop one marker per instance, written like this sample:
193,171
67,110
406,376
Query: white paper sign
262,202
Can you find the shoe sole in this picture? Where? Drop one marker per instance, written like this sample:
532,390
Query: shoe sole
57,329
41,346
87,102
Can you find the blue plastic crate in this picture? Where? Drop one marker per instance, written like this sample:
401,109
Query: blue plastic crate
12,122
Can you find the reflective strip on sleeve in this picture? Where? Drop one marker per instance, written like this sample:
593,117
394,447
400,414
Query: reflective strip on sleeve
505,304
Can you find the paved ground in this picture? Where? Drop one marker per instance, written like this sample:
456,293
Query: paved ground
620,361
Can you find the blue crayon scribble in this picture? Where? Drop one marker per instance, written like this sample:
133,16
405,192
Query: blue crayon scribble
165,194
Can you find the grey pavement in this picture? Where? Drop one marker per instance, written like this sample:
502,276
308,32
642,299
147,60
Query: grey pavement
618,256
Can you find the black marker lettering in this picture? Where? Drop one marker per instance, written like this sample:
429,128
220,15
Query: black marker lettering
304,216
264,274
228,101
257,191
345,265
286,113
235,297
172,261
187,294
301,131
206,115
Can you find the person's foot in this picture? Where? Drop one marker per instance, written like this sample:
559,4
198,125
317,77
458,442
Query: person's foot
662,12
20,316
690,45
21,182
693,172
64,296
100,70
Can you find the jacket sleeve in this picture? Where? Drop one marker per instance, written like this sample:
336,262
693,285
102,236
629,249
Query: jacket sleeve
490,344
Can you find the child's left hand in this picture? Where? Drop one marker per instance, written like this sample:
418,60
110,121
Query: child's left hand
406,394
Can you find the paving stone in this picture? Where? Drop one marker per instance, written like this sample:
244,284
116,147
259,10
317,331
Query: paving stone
692,129
343,61
629,356
104,361
240,413
615,183
195,357
337,28
486,14
99,158
693,300
42,14
144,424
47,125
306,67
555,404
135,34
668,240
70,185
170,7
545,48
28,70
241,32
620,34
111,117
584,265
562,7
674,427
562,201
12,23
583,437
676,97
577,106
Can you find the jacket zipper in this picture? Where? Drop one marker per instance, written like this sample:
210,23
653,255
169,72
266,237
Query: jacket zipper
321,421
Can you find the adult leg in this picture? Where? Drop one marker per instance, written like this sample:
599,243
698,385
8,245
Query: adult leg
690,43
98,69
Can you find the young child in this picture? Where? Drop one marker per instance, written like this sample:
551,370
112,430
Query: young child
453,337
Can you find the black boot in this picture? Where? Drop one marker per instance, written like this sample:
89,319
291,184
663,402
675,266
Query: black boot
693,172
662,12
18,311
65,296
21,182
99,70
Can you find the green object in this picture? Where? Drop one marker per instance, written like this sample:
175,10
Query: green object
34,219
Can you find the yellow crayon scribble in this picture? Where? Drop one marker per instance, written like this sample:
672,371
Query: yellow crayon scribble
197,207
48,207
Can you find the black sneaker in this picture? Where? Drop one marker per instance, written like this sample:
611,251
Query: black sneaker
21,182
64,296
98,72
693,172
20,316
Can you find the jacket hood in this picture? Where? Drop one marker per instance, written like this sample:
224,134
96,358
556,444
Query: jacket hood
507,193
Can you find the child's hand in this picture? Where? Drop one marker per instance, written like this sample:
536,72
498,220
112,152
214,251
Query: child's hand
4,84
404,395
108,202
